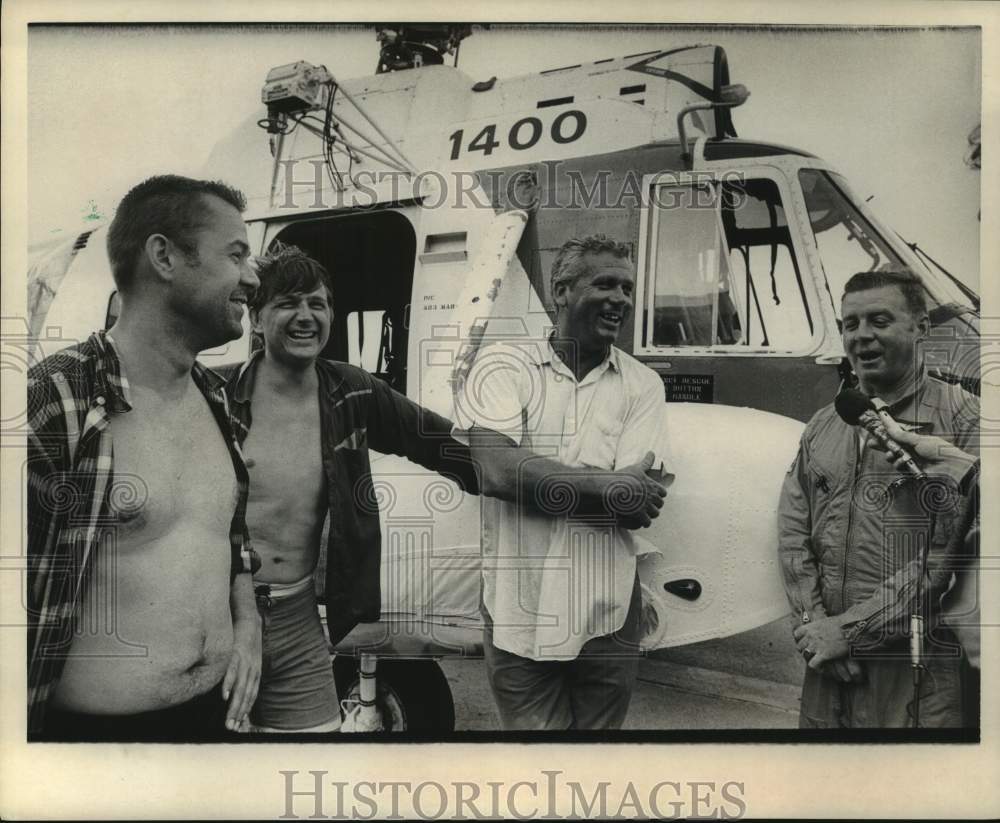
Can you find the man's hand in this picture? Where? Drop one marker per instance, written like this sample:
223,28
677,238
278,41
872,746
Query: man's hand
239,686
821,641
844,669
936,453
641,494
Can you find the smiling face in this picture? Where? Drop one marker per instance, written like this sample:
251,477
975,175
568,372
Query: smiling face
295,326
880,339
212,286
594,307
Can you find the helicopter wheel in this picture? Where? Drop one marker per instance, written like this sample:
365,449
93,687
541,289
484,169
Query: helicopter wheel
411,695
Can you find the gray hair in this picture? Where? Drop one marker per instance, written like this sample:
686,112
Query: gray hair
569,263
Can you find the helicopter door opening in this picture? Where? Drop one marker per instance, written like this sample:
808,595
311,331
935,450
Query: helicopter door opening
370,260
767,282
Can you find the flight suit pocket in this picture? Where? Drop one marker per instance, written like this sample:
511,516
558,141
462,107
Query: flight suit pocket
820,494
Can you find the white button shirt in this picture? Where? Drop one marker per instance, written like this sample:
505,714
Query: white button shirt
552,582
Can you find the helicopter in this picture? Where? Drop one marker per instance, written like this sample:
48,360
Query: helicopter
438,204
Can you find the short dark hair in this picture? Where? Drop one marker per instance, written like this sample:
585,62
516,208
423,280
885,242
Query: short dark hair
286,269
166,204
905,280
568,264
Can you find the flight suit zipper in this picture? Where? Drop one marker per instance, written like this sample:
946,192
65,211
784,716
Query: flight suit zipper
858,455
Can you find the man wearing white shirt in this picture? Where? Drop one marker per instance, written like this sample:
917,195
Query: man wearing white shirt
565,432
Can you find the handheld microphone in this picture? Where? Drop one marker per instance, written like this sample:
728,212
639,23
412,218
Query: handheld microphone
856,409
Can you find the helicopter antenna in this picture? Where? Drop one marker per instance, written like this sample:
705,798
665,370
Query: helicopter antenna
969,293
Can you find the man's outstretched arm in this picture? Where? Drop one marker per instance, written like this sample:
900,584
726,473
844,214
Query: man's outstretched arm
512,472
397,425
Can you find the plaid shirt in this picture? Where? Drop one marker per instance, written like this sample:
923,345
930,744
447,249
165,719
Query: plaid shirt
72,396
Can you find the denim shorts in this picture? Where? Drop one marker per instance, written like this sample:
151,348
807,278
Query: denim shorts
297,690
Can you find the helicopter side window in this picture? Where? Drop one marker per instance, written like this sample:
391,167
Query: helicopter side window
725,271
691,271
847,242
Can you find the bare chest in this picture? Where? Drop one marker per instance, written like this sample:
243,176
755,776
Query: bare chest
284,450
171,469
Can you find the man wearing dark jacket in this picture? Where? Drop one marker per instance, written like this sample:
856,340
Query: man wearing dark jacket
305,425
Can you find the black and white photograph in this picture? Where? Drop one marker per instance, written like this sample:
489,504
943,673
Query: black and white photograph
521,416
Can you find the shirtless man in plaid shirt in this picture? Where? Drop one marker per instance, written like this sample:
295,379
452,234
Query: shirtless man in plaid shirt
142,620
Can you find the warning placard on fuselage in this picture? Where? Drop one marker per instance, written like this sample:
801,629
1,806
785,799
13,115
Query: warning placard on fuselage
689,388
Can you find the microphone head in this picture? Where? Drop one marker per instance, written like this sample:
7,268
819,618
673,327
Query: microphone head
851,404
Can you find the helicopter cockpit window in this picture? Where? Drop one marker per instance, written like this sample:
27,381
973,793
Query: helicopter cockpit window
846,241
725,271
